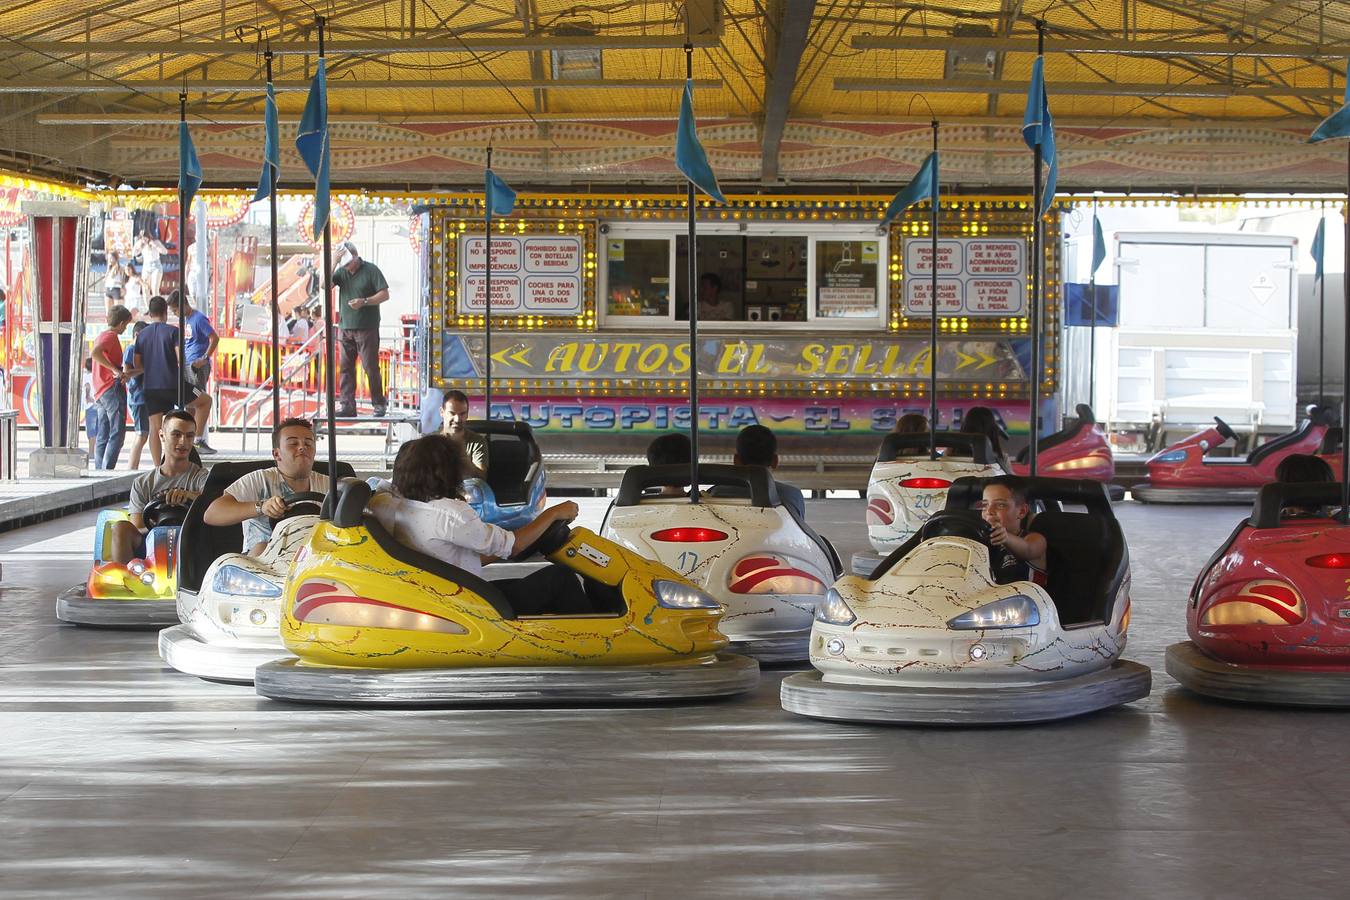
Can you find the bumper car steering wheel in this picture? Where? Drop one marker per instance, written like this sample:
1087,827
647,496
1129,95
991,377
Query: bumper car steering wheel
554,537
960,524
306,503
159,514
1222,427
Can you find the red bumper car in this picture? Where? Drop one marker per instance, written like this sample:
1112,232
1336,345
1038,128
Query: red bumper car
1182,473
1269,615
1080,450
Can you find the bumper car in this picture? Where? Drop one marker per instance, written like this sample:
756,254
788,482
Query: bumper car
906,487
739,543
1079,450
933,639
1183,474
228,610
374,623
1268,616
136,594
512,494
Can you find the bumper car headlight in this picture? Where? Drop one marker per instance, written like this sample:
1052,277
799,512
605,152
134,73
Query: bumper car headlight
242,583
1019,611
834,611
1171,456
136,567
673,595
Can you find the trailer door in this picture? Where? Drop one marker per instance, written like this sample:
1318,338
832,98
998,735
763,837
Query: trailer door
1248,288
1161,285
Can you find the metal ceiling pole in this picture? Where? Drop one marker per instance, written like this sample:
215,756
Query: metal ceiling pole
1322,315
182,272
1092,323
1037,259
276,306
487,302
329,354
1345,356
692,297
933,318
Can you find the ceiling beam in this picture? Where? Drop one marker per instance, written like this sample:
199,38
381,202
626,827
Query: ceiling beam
1101,89
253,118
348,47
794,22
1266,49
230,86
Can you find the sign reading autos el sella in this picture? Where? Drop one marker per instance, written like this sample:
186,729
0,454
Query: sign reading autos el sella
730,358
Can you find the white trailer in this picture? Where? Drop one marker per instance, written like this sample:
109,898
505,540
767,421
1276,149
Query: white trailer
1207,327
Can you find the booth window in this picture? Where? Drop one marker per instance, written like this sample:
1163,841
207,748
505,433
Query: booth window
835,280
639,277
755,278
846,279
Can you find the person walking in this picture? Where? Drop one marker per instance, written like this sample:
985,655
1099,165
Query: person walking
110,399
157,358
114,280
136,398
200,341
361,290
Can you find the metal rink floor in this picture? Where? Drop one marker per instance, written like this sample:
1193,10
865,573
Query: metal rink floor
120,778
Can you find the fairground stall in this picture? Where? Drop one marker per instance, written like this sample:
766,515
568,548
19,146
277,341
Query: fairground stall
819,328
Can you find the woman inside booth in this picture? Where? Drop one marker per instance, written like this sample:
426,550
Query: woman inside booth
423,510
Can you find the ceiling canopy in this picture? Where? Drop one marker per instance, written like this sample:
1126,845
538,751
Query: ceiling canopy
1155,94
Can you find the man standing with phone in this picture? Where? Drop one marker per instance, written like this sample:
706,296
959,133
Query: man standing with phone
361,290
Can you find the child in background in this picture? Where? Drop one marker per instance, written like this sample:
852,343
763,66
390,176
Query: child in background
90,416
136,397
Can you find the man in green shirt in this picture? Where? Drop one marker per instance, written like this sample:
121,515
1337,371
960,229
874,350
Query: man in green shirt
361,290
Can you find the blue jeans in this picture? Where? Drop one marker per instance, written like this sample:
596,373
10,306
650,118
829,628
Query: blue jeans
111,410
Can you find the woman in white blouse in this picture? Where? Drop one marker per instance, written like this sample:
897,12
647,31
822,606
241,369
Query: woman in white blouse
423,510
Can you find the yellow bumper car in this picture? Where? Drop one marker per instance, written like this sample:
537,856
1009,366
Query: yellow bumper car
375,623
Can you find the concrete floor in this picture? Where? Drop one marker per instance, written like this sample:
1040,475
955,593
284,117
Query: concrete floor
121,778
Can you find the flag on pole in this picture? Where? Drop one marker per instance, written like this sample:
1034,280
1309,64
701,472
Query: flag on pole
189,169
923,187
1098,245
312,141
1038,129
689,156
1319,247
1338,123
267,181
501,199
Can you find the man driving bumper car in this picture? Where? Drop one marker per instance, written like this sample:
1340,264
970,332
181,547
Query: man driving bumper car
133,581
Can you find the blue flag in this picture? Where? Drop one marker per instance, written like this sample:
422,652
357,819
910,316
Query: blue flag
311,140
1098,245
1319,247
189,169
1338,123
267,182
500,198
924,186
1038,129
689,156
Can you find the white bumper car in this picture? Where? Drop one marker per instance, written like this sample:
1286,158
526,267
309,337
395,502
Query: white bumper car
739,543
229,603
932,639
906,487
